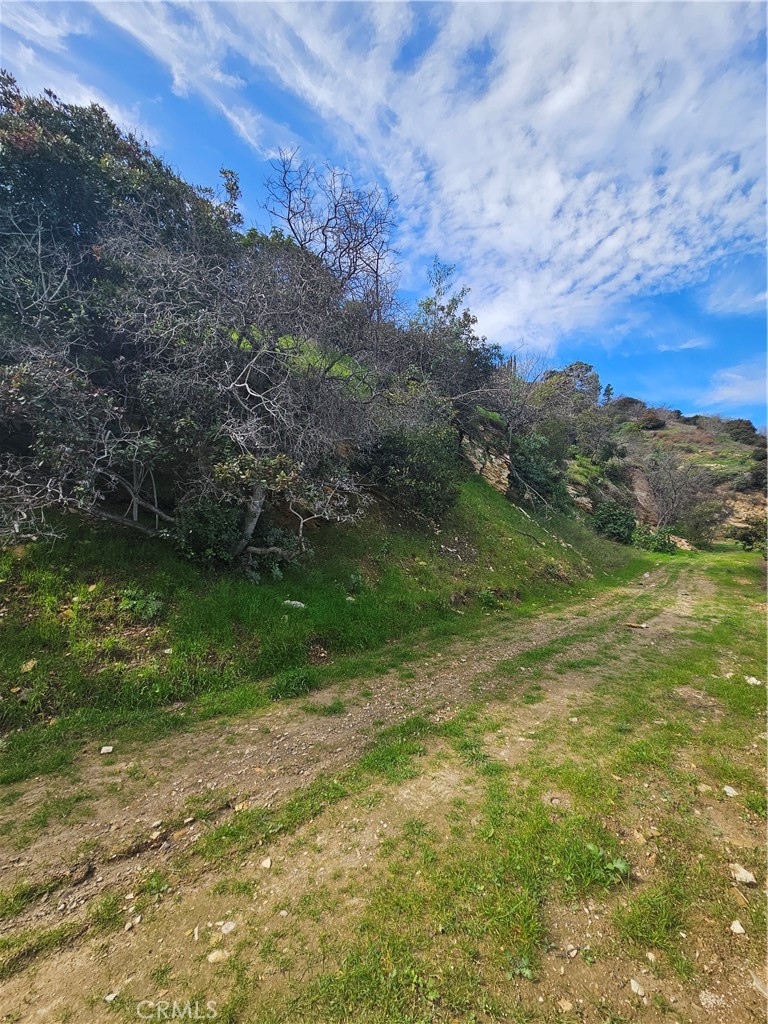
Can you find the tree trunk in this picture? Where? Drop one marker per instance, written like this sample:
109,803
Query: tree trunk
254,509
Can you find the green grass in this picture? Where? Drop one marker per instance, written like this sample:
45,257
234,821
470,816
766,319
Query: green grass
14,901
453,919
17,950
79,660
50,809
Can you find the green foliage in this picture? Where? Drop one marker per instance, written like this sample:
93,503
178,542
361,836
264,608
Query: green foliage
741,430
420,468
208,530
703,520
140,605
656,540
534,472
751,535
614,521
652,421
294,682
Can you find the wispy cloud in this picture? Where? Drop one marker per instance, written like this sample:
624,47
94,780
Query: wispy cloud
740,385
736,293
48,29
683,346
34,48
597,152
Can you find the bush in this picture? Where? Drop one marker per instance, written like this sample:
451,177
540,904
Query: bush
702,522
614,521
751,535
139,604
208,530
420,468
533,468
742,431
654,540
652,421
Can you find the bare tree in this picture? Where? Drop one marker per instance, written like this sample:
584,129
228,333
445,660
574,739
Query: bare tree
350,229
680,490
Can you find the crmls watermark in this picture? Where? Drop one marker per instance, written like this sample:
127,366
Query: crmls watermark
165,1009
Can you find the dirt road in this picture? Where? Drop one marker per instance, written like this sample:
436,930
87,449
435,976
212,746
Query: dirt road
173,872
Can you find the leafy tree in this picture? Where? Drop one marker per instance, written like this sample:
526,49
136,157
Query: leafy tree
741,430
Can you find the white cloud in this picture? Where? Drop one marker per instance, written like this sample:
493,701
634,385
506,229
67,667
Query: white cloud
46,28
598,152
36,55
737,386
736,294
682,346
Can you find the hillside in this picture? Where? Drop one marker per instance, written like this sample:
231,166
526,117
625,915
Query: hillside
99,631
509,818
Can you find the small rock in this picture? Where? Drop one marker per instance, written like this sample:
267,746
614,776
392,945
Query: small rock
636,987
283,913
564,1005
572,951
704,788
267,862
106,750
294,604
710,1000
741,875
737,928
651,957
730,791
128,926
227,927
111,997
753,682
154,836
740,898
29,665
574,720
218,956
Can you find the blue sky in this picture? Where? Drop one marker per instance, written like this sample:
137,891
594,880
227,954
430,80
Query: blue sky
597,172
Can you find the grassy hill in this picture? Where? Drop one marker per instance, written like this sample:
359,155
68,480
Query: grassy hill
101,632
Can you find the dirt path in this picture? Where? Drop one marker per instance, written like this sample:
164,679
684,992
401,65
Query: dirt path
147,809
137,804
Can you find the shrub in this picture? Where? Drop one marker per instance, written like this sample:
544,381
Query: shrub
208,530
420,468
658,540
702,522
139,604
533,468
614,521
652,421
742,430
751,534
